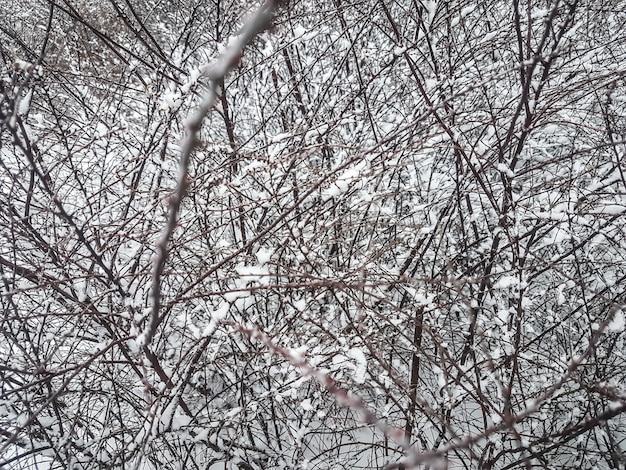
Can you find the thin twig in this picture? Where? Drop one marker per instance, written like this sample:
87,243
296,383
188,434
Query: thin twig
342,397
216,72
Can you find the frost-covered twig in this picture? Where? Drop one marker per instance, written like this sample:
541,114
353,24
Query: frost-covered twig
33,415
343,398
216,73
532,407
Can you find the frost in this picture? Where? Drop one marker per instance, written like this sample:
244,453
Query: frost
297,432
339,359
301,33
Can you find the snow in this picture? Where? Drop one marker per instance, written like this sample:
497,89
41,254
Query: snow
431,8
360,368
503,316
263,255
398,51
251,272
80,285
47,421
280,137
193,76
467,10
539,13
618,322
23,65
489,36
24,103
299,31
464,12
343,182
350,222
506,281
504,168
306,405
608,208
